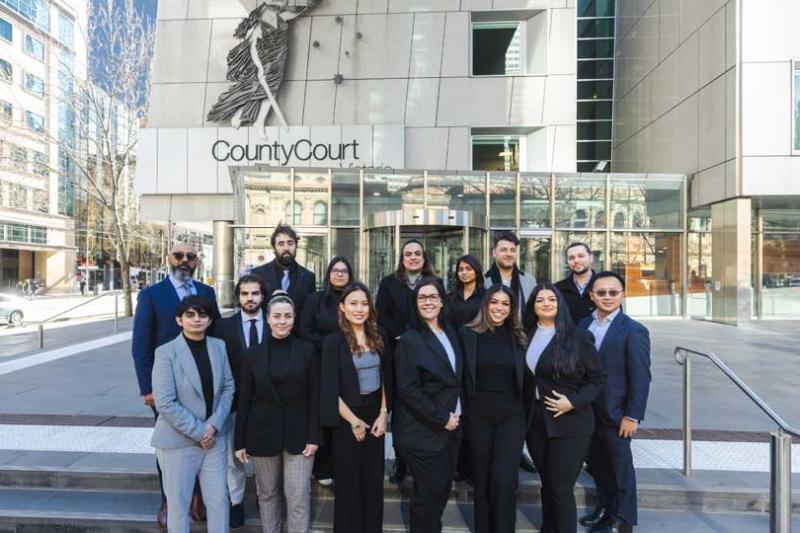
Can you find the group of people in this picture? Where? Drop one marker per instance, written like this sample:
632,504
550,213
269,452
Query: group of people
301,383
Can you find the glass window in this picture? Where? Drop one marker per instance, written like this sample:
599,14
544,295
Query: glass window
780,280
780,219
534,257
651,266
596,28
595,49
40,164
595,240
310,189
700,268
495,153
497,48
797,108
38,235
595,8
294,213
596,69
459,192
34,47
345,199
41,200
392,192
594,151
16,232
17,196
6,111
594,110
66,30
320,214
534,201
595,90
34,84
265,199
34,121
37,11
19,158
647,202
6,71
579,200
6,30
590,131
345,243
503,200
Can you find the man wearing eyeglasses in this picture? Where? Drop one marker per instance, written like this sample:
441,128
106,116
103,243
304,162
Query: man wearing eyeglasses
154,324
624,346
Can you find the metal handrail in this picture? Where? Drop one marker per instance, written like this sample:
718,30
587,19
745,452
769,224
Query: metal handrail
40,325
780,492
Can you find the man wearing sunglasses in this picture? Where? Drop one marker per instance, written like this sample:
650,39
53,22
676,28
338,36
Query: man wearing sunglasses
154,324
624,346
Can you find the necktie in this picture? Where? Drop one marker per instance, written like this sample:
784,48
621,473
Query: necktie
253,333
285,280
186,290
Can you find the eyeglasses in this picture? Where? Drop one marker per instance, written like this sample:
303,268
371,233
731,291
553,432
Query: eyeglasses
191,256
340,271
432,298
602,293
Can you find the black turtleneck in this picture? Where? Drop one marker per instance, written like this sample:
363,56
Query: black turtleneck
201,359
494,366
280,363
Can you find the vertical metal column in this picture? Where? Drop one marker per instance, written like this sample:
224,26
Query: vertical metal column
687,416
223,262
780,482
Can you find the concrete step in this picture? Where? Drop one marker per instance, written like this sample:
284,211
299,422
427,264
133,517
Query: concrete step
81,511
657,489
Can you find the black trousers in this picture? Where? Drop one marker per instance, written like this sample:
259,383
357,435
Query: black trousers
611,465
433,476
359,466
495,444
323,459
558,462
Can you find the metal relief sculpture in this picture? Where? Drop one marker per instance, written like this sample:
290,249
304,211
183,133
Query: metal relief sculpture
256,64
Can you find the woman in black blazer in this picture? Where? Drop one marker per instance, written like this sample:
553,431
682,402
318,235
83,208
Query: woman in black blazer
427,408
277,422
319,318
494,355
395,304
563,375
355,400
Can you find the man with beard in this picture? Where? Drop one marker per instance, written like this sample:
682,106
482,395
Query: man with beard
241,331
154,324
284,273
573,287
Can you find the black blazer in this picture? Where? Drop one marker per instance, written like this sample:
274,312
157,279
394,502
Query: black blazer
581,389
427,389
265,425
302,282
394,305
339,378
580,305
230,331
320,318
469,343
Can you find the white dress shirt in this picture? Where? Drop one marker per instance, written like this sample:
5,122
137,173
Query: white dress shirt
259,318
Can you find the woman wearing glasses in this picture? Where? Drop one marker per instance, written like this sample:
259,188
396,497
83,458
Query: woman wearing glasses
563,376
395,304
427,408
277,423
319,318
355,400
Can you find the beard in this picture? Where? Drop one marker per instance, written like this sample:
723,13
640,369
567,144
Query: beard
286,259
182,272
251,307
581,271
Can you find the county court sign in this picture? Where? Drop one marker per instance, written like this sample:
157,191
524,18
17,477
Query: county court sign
196,160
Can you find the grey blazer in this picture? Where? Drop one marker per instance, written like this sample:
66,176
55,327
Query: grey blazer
179,394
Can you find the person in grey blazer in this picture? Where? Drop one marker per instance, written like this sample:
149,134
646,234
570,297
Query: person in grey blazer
193,388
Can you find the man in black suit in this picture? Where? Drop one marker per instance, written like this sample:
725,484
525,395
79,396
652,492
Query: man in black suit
624,347
284,273
239,331
574,287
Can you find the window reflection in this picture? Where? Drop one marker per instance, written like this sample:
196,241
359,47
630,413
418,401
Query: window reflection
579,201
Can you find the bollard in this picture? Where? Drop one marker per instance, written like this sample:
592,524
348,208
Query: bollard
116,314
687,416
780,482
40,331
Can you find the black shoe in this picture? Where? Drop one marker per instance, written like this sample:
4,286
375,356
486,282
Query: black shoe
619,526
461,476
598,517
526,464
400,472
236,519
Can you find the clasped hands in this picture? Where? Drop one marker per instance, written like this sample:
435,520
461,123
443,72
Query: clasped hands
209,437
243,457
558,405
377,430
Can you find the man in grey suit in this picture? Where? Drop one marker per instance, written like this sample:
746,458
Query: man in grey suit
193,388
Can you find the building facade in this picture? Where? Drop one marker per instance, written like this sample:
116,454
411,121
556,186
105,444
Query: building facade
37,45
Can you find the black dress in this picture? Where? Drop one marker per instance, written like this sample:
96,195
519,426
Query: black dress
462,311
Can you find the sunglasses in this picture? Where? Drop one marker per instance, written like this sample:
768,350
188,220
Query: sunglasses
602,293
191,256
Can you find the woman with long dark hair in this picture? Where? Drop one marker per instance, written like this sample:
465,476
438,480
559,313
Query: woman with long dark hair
494,356
355,399
395,304
464,300
427,409
563,375
319,318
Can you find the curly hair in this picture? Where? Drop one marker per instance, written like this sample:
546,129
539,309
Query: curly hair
481,323
374,337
